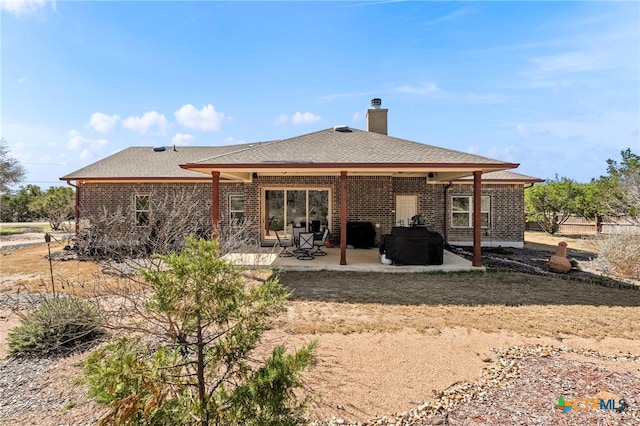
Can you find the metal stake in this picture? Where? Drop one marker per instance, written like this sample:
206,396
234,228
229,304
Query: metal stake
47,238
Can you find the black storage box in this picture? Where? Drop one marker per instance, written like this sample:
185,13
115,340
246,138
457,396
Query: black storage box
361,234
413,246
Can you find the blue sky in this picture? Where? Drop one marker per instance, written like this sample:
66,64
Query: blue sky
554,86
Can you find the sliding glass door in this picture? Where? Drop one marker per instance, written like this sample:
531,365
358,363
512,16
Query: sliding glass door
283,209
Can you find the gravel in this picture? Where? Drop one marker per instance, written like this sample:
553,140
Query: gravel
22,382
521,388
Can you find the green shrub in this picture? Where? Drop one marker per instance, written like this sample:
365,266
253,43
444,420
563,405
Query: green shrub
57,325
204,363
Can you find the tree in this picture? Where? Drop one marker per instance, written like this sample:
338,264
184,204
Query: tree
56,205
11,171
551,203
589,202
6,213
17,208
621,188
194,360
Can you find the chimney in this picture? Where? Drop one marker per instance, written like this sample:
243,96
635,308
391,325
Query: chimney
376,117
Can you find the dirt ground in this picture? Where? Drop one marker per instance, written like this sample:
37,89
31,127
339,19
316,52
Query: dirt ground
389,342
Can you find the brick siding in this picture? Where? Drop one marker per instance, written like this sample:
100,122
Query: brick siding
506,214
370,199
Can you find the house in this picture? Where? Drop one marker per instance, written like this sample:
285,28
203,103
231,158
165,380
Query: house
330,178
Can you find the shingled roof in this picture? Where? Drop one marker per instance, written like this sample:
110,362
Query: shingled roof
352,146
148,163
504,176
328,149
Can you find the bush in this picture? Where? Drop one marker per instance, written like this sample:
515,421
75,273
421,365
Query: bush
619,256
58,325
205,363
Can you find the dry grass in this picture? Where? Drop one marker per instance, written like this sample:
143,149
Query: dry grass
357,302
526,304
27,269
620,255
393,367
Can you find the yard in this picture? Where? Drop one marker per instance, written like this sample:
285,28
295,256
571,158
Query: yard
388,342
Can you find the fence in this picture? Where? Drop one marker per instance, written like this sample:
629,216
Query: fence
576,225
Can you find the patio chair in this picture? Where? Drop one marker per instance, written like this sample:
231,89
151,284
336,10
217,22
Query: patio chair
285,244
297,230
319,242
305,244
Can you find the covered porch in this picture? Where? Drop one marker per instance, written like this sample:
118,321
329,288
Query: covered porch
360,260
338,175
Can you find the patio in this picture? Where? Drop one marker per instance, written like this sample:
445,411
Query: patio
358,260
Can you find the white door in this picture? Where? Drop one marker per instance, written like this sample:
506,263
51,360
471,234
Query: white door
406,208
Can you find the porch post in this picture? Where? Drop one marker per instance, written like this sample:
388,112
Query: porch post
77,209
477,218
343,218
215,203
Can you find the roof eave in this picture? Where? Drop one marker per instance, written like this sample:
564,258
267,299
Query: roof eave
293,166
127,179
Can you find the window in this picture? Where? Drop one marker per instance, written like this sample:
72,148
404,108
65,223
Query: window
142,210
462,211
236,209
283,209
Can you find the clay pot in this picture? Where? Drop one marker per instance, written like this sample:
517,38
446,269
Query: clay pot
559,263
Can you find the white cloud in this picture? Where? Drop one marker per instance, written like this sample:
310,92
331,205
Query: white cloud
523,131
22,80
103,123
146,123
182,139
504,153
297,118
26,7
348,95
207,119
452,16
305,118
358,116
431,90
574,62
85,145
233,141
426,89
75,140
281,120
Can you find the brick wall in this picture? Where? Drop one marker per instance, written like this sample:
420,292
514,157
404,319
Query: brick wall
370,199
430,199
117,200
506,214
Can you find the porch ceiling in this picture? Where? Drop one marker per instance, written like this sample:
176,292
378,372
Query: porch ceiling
433,172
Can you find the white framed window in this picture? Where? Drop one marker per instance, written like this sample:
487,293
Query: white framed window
462,211
286,208
142,210
236,208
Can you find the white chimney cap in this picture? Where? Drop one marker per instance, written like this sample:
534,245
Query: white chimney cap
375,103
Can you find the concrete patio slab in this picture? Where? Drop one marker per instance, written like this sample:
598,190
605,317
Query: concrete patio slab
358,260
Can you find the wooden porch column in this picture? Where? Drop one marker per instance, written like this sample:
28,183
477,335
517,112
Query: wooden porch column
77,208
477,218
343,218
215,203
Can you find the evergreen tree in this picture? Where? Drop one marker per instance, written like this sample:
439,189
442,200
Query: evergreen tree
194,360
